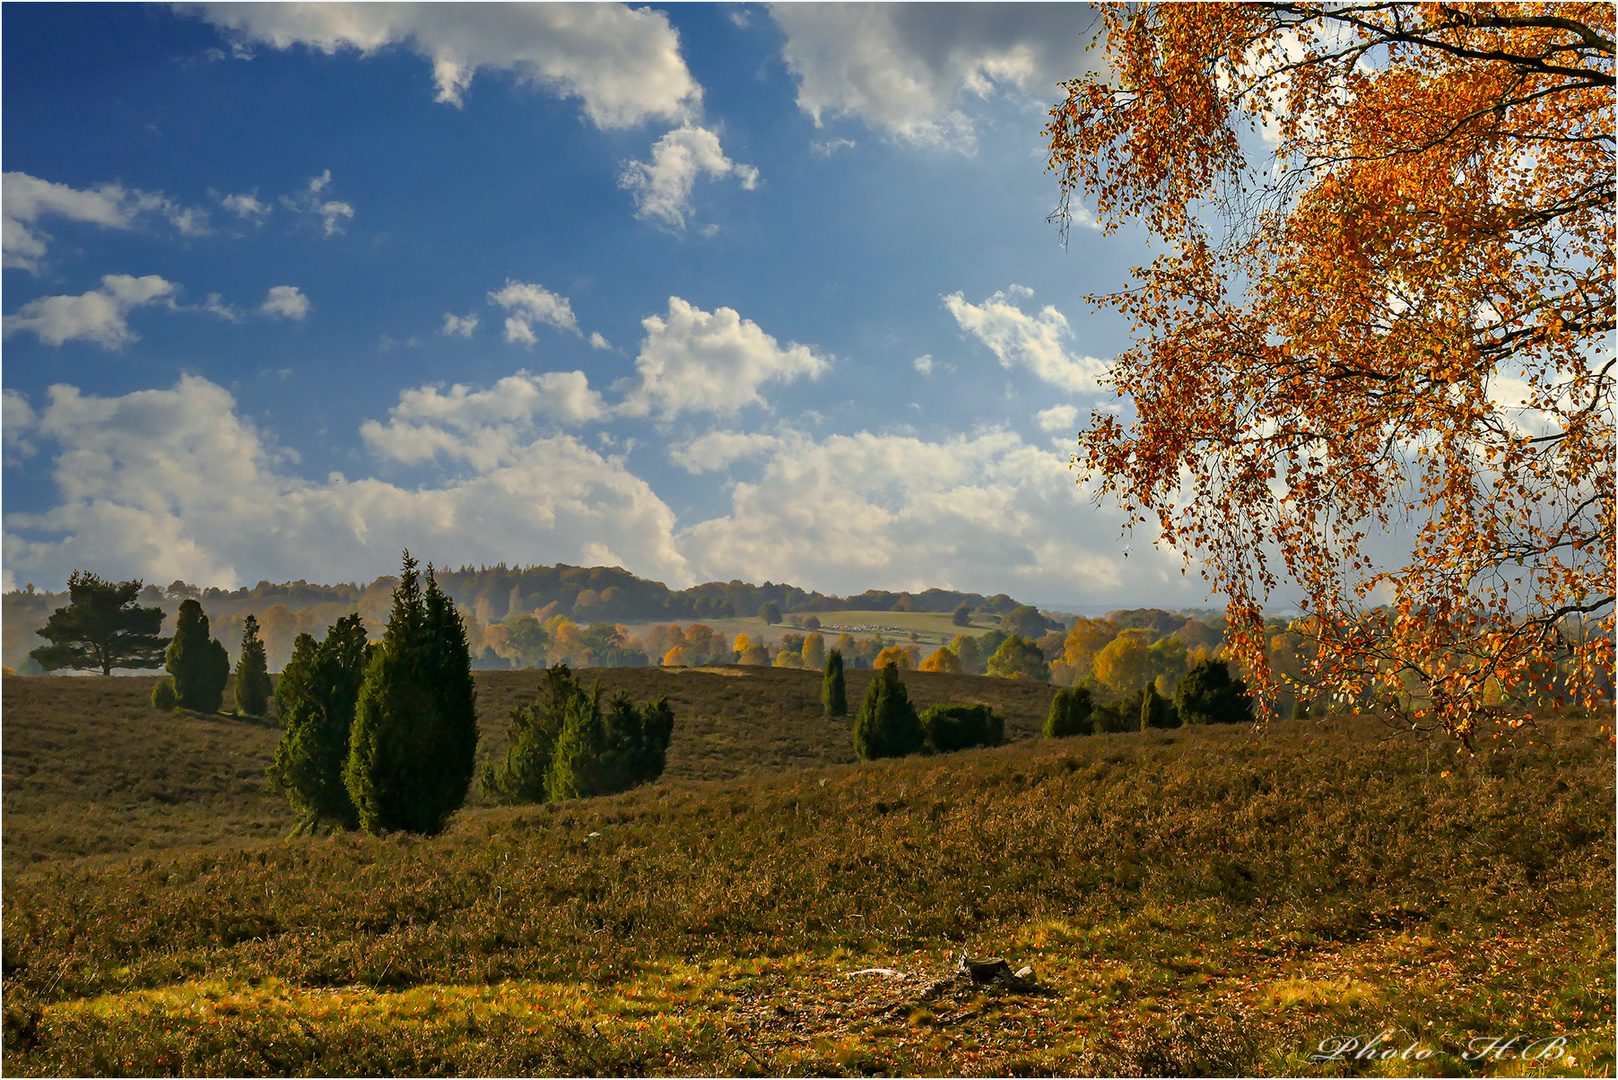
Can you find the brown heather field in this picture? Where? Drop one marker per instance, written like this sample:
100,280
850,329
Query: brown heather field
1194,902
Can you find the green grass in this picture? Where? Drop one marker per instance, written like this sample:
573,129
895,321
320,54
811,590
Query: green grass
1197,901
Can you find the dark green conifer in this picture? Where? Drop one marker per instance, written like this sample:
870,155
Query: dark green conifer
198,664
1156,711
887,725
318,693
957,727
833,691
1070,713
1208,695
598,753
531,739
252,672
414,738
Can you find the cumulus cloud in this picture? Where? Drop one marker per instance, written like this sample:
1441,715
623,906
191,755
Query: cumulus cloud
486,429
98,316
924,363
286,301
1035,342
662,190
599,342
719,449
623,64
1058,418
532,304
912,71
25,199
460,325
699,361
985,511
161,484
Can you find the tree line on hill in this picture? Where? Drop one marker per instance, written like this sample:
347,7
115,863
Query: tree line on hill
1119,655
487,596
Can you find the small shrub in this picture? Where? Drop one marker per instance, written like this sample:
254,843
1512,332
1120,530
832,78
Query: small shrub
957,727
1070,713
163,695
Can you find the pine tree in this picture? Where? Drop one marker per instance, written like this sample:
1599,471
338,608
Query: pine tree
411,749
833,691
455,743
318,694
887,725
101,626
198,664
252,672
1070,713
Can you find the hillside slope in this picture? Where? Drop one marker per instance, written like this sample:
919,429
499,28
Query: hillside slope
1194,902
90,768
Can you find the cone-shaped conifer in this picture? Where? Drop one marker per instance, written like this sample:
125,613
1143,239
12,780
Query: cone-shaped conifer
833,691
318,693
887,725
199,664
415,734
252,672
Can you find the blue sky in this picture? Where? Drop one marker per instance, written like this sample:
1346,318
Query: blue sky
705,291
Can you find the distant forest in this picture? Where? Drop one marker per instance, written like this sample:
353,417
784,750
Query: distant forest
486,595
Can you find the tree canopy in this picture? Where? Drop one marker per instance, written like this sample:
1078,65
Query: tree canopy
1383,302
101,626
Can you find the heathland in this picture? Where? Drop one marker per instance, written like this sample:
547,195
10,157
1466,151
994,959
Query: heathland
1214,901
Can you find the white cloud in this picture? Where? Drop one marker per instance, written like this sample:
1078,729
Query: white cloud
25,199
519,332
624,64
17,419
531,304
215,305
924,363
332,213
828,147
662,190
699,361
849,512
486,429
718,449
460,325
285,301
1058,418
599,342
161,484
912,71
246,205
98,316
1031,341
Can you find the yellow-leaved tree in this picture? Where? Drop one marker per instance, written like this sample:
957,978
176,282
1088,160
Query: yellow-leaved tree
1382,305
